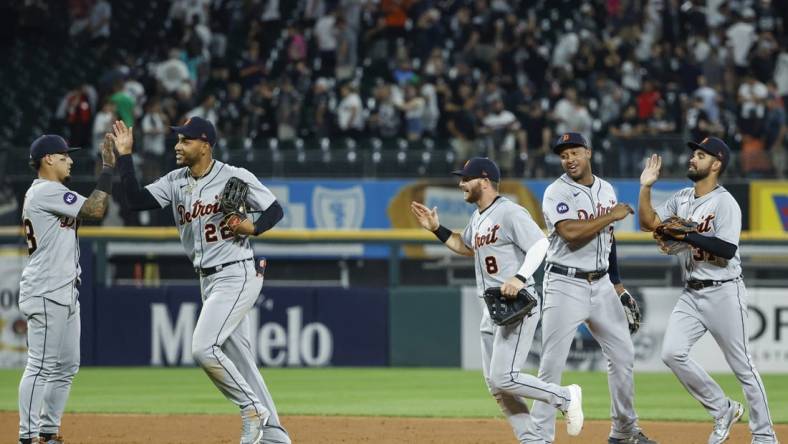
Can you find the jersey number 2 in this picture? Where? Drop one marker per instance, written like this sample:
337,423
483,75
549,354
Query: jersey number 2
32,245
224,231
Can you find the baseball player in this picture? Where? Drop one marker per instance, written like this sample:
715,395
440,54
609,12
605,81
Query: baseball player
714,298
507,247
223,258
581,285
50,300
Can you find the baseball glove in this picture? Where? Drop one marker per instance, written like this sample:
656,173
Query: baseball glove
631,310
504,311
670,234
232,202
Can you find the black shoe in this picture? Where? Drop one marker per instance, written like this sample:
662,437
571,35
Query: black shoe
640,438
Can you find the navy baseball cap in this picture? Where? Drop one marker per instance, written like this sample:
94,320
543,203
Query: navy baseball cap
569,140
480,167
50,144
197,128
714,146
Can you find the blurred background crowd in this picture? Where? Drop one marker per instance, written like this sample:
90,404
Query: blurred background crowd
420,83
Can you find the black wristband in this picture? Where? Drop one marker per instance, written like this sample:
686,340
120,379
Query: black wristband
442,233
521,278
104,182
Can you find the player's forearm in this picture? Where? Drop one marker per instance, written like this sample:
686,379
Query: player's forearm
533,259
270,217
646,215
95,207
711,244
138,198
578,232
455,244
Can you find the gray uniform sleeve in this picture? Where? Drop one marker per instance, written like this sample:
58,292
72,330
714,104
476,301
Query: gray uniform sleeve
161,190
55,198
259,197
467,236
522,228
558,204
669,208
727,220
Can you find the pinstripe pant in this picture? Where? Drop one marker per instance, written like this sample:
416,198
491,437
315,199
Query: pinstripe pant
504,353
722,311
53,332
221,343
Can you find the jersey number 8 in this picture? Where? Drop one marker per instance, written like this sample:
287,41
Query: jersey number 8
491,264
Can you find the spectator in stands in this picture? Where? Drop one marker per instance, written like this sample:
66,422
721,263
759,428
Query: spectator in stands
775,130
710,99
102,124
288,110
346,51
155,127
647,100
781,74
252,69
752,96
124,103
206,109
259,109
99,22
539,137
231,115
461,123
350,112
413,107
384,117
325,33
173,73
698,121
625,128
659,123
403,73
296,44
740,38
77,108
571,115
504,139
318,108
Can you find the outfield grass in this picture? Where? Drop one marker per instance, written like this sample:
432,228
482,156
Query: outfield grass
368,391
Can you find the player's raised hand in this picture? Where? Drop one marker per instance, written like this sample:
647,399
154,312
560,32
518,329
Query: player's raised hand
621,210
427,218
651,171
107,151
123,137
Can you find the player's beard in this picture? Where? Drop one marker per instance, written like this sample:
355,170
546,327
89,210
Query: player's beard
697,174
474,194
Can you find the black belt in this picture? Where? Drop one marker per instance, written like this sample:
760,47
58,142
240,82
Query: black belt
218,268
700,285
590,276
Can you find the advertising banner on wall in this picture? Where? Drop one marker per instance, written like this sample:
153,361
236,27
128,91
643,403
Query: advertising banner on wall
769,205
290,327
768,327
13,326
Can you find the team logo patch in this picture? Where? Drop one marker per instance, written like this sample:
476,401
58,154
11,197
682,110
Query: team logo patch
69,198
562,208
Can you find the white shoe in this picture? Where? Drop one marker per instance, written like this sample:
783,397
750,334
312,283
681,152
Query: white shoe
574,411
252,425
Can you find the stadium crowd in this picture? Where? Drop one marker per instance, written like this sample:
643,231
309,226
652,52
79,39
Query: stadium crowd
494,77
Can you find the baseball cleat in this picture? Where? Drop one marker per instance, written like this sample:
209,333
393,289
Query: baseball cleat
639,438
252,427
574,412
723,424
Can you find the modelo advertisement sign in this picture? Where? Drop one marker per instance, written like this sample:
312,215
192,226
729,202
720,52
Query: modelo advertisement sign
290,327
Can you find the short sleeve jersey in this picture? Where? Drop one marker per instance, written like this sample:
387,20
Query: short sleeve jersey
195,207
717,214
566,199
49,220
500,236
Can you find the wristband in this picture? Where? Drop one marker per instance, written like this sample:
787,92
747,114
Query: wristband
104,182
443,234
521,278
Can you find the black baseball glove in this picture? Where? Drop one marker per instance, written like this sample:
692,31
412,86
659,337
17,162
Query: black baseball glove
505,311
232,202
631,310
671,233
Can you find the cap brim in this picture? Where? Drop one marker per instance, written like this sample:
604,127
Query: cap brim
458,173
71,149
562,146
696,146
183,130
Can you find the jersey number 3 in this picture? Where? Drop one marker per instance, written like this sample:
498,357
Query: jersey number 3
32,245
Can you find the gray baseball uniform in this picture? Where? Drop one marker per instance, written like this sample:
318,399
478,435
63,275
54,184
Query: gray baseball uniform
500,236
570,301
221,342
720,308
48,299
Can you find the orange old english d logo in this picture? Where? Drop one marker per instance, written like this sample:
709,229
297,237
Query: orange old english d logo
704,141
565,137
